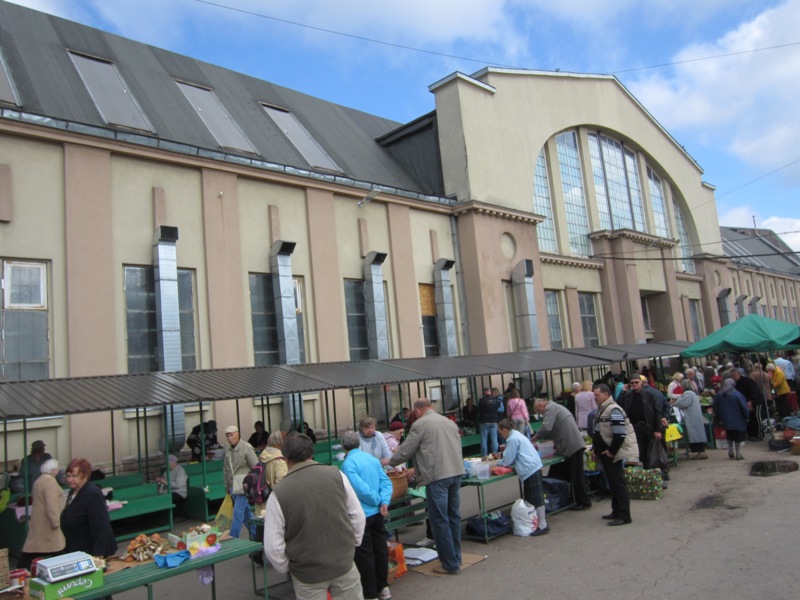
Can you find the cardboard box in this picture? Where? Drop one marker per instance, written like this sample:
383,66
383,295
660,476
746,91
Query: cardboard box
66,588
191,538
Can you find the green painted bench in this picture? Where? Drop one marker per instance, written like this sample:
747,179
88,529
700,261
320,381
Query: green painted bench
407,511
202,502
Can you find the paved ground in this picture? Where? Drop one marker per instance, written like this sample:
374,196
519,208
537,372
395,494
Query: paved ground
717,533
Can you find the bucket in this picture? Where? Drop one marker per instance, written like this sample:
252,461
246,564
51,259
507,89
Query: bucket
481,470
546,449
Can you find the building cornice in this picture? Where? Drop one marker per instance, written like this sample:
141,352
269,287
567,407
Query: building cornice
637,236
571,261
723,260
689,277
498,212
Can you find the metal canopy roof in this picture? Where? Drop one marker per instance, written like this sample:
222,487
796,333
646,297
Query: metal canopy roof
29,399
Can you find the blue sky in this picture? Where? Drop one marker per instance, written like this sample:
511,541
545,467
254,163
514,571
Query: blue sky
737,115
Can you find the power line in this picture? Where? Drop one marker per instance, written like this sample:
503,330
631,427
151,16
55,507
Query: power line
786,166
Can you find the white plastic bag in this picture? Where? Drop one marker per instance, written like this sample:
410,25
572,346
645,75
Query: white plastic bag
524,518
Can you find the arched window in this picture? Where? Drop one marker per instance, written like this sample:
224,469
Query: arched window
569,163
659,207
684,245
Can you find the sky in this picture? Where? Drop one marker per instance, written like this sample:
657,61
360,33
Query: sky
722,76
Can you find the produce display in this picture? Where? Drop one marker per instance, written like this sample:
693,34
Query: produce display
194,538
143,547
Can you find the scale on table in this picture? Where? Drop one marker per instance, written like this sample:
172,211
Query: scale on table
65,566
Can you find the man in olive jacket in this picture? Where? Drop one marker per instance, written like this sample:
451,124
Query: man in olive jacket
434,444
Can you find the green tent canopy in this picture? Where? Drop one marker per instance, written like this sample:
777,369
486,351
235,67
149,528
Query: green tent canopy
752,333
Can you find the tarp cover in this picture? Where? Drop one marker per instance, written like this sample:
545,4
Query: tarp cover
752,333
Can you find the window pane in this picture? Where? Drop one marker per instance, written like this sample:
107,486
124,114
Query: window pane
659,206
25,285
111,95
355,306
553,319
219,122
591,336
8,92
684,245
545,231
574,198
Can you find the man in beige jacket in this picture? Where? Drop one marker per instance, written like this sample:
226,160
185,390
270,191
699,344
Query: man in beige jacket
44,530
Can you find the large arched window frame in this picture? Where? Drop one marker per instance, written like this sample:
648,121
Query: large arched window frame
686,262
542,205
569,161
617,184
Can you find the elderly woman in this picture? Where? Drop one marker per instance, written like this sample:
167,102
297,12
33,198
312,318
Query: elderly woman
517,411
85,521
782,390
44,529
178,482
394,434
675,388
276,463
371,443
730,408
584,404
695,423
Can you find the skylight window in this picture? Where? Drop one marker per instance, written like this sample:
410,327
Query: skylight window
8,92
110,93
303,141
219,122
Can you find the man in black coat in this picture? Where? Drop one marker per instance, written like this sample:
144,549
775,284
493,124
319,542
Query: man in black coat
756,402
644,413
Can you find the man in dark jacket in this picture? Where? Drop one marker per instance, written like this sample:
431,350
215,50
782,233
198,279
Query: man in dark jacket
644,413
490,408
756,403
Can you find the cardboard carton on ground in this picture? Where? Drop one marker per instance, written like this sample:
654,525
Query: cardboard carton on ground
191,538
66,588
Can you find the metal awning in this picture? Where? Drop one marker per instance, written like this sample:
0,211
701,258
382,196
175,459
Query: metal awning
48,397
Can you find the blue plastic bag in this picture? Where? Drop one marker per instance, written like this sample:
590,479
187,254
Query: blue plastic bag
174,559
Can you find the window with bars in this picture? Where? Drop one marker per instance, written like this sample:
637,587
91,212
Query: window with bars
356,308
686,262
142,323
24,322
265,320
542,205
616,181
574,197
553,307
588,312
694,317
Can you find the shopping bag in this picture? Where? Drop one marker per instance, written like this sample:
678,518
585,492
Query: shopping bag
225,514
524,518
397,554
657,455
672,433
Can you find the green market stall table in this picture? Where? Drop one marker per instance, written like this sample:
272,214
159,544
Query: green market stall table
481,484
146,575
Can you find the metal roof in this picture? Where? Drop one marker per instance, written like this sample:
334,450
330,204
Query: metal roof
29,399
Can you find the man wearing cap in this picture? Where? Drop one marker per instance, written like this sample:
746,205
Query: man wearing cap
239,459
34,462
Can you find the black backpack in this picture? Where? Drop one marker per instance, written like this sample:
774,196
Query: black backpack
255,484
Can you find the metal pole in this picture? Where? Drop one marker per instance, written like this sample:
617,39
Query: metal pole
146,449
113,447
138,442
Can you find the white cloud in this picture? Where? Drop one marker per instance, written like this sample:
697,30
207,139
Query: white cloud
748,100
788,228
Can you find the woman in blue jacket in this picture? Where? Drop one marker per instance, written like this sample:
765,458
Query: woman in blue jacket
730,410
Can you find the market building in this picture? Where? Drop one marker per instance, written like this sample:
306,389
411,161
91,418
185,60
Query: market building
161,213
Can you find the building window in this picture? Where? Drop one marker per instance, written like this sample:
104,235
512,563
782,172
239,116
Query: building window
794,315
694,315
786,314
553,307
542,205
430,333
111,95
591,336
301,139
221,125
684,245
574,198
355,306
24,322
8,91
265,322
763,309
646,314
142,324
616,182
775,313
658,204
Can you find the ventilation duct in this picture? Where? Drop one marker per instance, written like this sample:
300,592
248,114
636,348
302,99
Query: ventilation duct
376,306
525,306
740,305
754,305
280,261
446,325
724,307
168,324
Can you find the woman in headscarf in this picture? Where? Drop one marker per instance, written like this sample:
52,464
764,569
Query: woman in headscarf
276,463
730,408
694,422
675,388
